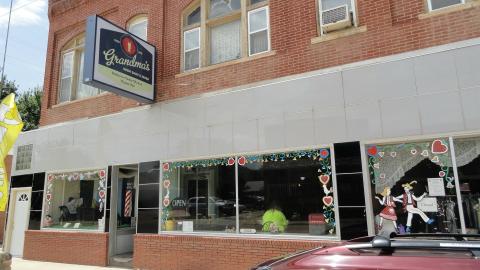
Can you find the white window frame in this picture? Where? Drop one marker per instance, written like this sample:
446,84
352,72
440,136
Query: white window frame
250,33
199,48
136,21
71,76
429,3
353,4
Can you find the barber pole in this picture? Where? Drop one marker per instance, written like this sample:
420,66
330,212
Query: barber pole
128,204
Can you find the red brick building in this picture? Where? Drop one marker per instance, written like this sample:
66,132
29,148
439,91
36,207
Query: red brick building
310,108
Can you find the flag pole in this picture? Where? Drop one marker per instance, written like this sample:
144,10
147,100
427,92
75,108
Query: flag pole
6,42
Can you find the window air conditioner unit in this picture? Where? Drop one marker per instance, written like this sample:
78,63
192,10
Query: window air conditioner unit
336,18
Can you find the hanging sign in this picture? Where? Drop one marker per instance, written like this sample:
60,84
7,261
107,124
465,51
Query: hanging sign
118,61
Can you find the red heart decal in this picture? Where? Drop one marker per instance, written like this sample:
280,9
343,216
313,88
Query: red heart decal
166,166
50,177
231,161
327,200
242,161
49,197
166,202
101,193
438,147
324,179
372,151
102,173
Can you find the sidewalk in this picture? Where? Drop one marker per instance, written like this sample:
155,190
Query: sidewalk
20,264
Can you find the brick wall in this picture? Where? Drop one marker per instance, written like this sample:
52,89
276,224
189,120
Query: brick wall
393,26
67,247
194,252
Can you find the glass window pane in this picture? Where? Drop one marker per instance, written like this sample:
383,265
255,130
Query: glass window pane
192,39
22,181
84,90
353,222
199,196
253,2
436,4
192,59
38,182
413,187
150,172
259,42
147,221
126,197
225,42
75,200
467,153
148,196
139,29
194,17
67,65
287,193
222,7
350,190
257,20
37,200
65,89
329,4
35,218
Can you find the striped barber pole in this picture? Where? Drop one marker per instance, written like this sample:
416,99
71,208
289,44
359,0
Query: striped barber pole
128,204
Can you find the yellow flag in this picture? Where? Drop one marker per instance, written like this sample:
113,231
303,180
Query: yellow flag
10,127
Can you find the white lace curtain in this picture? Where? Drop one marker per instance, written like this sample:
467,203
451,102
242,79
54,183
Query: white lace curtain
225,42
391,162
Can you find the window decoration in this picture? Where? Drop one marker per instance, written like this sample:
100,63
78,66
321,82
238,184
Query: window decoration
217,31
75,200
290,192
439,4
413,186
71,86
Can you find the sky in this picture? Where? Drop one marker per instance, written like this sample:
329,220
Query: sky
27,45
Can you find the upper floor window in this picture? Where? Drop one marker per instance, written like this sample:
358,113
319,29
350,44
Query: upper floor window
138,26
217,31
71,73
336,15
438,4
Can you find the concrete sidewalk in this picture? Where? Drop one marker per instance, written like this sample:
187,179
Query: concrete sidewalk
20,264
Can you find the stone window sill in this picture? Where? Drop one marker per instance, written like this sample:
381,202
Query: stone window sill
66,103
340,34
225,64
447,10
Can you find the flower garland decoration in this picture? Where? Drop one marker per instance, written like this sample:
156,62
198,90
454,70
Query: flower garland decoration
99,174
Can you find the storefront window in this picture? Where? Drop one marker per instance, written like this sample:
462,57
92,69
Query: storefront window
413,187
75,200
287,193
199,196
467,152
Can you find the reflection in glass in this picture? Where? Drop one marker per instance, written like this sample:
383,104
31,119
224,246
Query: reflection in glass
222,7
413,187
467,153
289,193
199,196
